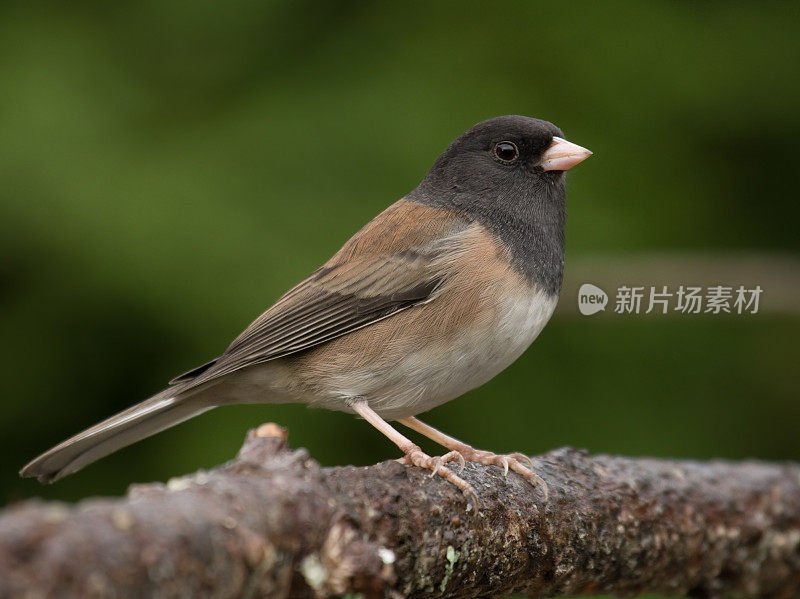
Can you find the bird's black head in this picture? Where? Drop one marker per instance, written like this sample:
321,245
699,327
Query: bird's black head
504,154
507,173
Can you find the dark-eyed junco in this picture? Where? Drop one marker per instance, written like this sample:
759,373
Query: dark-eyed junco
432,298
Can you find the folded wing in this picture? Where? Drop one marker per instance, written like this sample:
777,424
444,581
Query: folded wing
397,261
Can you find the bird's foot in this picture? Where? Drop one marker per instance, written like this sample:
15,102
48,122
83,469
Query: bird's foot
517,462
417,457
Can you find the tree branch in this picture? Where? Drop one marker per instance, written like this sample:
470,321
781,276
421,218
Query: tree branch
273,523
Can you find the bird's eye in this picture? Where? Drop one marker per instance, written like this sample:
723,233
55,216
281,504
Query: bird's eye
506,151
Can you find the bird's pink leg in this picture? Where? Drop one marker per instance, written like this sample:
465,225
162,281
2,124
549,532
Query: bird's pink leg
511,460
413,454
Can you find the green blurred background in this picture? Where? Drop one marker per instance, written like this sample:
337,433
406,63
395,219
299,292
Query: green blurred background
168,169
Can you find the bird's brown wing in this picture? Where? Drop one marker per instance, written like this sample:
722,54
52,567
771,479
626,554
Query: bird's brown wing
353,290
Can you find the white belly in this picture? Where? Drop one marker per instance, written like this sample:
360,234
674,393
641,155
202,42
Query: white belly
434,375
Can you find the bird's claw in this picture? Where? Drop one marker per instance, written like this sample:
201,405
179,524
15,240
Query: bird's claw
448,457
511,461
416,457
503,461
521,456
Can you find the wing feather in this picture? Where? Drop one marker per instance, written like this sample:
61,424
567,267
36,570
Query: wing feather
327,305
395,262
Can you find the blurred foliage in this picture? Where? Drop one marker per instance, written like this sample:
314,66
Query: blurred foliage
168,169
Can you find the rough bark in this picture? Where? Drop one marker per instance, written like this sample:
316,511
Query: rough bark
273,523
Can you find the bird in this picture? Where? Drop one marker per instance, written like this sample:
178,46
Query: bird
433,297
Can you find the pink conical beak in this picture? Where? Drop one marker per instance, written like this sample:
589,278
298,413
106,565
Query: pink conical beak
562,155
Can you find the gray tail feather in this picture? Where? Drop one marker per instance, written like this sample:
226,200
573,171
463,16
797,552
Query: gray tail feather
142,420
